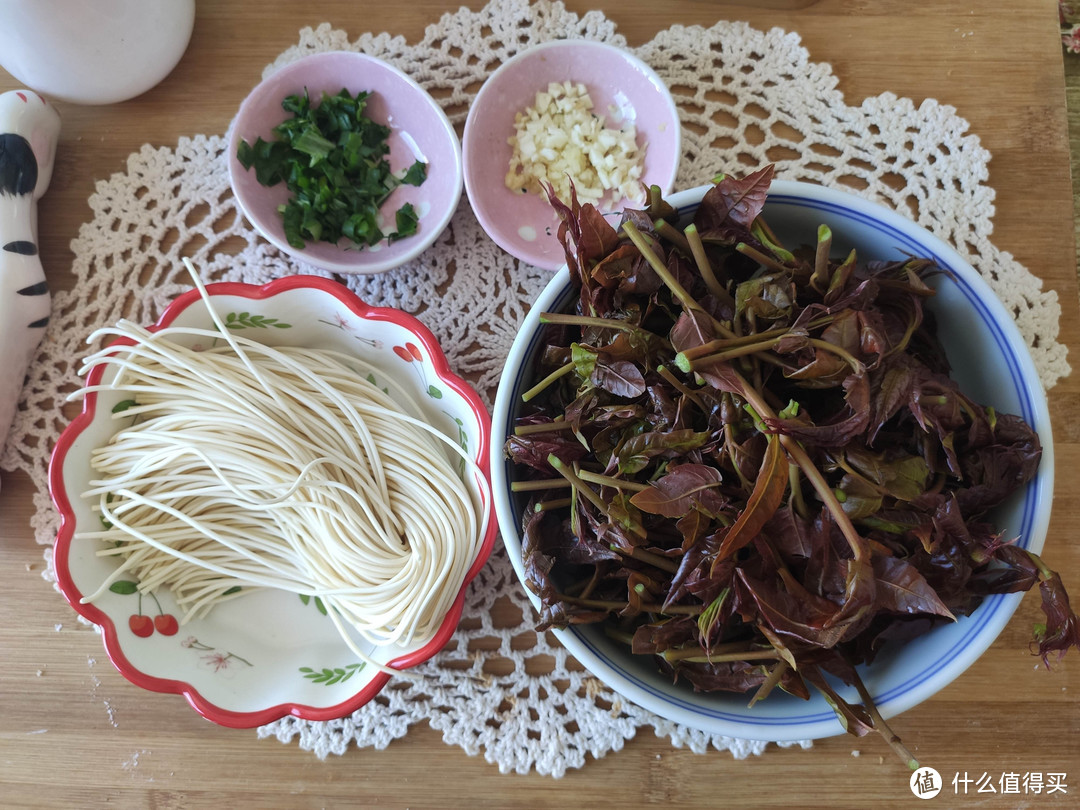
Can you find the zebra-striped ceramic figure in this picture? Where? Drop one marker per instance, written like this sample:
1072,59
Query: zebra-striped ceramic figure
29,127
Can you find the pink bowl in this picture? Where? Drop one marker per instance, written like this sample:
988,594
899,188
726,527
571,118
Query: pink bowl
524,225
419,128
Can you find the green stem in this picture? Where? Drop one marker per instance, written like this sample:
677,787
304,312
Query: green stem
672,283
655,560
594,580
828,497
608,481
672,234
695,650
554,503
687,365
905,340
656,198
775,675
819,280
606,604
675,383
729,442
548,380
619,635
796,492
842,463
538,485
812,473
770,234
576,482
749,655
882,727
701,259
760,258
1045,572
765,235
722,344
562,319
543,427
843,354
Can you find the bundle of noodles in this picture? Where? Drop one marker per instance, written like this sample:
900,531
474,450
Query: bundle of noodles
249,466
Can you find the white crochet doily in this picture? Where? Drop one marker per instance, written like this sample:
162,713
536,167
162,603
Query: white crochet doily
746,97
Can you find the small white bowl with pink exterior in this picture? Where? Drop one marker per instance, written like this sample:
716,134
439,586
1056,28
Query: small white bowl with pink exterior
525,225
419,130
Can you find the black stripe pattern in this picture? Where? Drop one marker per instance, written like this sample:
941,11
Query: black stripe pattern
21,247
35,289
18,166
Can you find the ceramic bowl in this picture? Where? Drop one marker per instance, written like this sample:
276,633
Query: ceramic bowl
269,654
419,130
974,327
94,53
525,225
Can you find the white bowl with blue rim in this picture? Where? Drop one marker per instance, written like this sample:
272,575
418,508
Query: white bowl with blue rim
991,362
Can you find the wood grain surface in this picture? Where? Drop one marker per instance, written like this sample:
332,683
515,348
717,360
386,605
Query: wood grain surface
74,733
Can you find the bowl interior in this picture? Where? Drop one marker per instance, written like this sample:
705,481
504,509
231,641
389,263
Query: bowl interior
524,224
419,130
989,359
270,653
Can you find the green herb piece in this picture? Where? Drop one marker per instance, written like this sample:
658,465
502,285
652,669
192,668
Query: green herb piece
333,160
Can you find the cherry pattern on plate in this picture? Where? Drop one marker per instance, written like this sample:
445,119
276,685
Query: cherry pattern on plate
140,623
411,353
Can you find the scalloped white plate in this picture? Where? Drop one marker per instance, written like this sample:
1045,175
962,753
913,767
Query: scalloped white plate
268,654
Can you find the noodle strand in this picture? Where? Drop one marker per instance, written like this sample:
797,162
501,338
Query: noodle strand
247,466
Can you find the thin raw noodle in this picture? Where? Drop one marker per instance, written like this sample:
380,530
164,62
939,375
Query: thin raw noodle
247,466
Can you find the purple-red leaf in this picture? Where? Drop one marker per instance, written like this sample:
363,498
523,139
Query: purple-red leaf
1062,628
902,589
729,208
638,451
621,378
763,502
687,487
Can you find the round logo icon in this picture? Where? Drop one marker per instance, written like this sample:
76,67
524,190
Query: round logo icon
925,783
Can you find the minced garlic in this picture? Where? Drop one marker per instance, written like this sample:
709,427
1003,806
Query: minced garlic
560,139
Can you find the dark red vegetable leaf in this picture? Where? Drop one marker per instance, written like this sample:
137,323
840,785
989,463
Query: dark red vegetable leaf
853,717
767,297
1062,628
730,207
838,429
533,450
763,502
684,488
639,451
597,236
902,589
729,676
801,619
900,475
620,377
561,615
